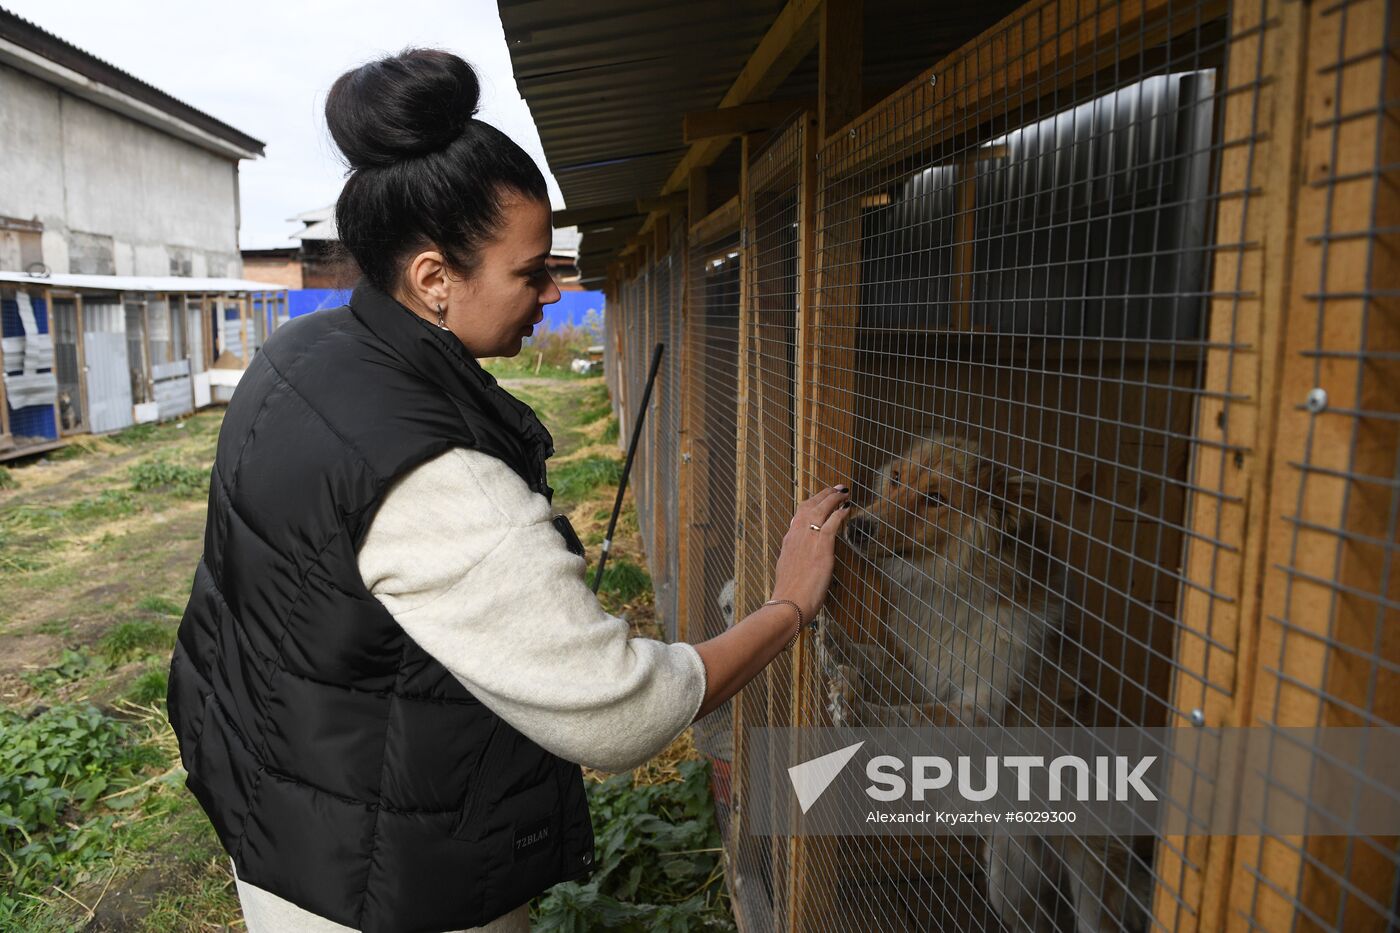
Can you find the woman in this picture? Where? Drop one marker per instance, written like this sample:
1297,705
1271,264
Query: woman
390,668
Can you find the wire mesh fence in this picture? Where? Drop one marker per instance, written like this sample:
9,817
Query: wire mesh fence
1119,406
709,358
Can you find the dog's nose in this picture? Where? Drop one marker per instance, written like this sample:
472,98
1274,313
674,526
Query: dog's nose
859,529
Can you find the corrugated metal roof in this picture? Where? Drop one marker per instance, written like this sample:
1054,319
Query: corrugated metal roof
41,42
606,82
137,283
609,82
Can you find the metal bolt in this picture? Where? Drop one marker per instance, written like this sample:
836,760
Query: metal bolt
1198,717
685,458
1317,400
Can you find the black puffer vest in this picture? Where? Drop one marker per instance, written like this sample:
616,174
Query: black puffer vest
343,768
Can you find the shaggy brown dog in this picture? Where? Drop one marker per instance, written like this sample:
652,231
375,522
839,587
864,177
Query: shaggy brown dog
971,623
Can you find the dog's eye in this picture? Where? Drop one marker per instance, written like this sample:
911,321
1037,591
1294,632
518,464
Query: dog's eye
894,477
935,500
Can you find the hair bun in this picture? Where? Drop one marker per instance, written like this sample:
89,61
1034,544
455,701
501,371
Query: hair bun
402,106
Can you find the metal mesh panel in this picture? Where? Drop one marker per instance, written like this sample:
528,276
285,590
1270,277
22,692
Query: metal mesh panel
644,468
1010,353
710,359
66,365
767,483
668,283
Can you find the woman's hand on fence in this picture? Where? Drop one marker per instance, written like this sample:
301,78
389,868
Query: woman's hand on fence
808,555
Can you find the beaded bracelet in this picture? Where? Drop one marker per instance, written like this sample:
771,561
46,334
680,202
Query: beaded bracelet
801,621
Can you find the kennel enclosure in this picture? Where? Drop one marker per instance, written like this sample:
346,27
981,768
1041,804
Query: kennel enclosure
1138,254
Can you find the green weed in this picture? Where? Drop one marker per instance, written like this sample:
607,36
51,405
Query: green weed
623,581
129,640
150,687
610,432
577,478
161,606
72,665
659,862
54,766
136,434
7,479
108,504
162,475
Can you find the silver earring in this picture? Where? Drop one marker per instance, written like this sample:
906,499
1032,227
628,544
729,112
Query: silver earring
442,318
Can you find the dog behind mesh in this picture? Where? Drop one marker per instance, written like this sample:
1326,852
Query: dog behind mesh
971,623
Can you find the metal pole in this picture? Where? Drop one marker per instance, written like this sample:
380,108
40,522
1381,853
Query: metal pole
627,467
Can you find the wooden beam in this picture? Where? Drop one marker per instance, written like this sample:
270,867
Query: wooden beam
722,220
840,38
698,193
1039,49
745,118
792,35
603,213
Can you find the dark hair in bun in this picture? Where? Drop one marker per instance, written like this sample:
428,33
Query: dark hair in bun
423,172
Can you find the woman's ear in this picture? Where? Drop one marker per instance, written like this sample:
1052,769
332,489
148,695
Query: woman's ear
425,280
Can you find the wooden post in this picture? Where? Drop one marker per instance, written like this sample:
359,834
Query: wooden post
147,363
53,367
840,46
1215,637
1328,644
82,361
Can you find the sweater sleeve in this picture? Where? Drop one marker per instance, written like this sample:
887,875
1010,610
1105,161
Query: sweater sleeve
465,557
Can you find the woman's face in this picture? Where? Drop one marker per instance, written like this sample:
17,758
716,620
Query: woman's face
495,308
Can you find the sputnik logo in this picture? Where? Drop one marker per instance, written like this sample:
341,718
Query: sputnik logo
811,778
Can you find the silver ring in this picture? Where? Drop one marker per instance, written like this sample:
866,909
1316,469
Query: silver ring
815,527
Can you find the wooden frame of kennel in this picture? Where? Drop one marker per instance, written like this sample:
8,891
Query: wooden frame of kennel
1304,98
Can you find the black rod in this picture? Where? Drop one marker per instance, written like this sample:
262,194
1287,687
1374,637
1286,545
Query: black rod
627,467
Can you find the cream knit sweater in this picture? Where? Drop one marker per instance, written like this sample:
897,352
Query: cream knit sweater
466,558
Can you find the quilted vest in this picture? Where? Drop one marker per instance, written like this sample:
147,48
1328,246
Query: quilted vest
344,768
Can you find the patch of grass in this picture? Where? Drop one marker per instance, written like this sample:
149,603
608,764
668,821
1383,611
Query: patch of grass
161,606
209,895
623,581
129,640
159,475
150,687
136,434
610,432
577,478
595,408
108,504
7,479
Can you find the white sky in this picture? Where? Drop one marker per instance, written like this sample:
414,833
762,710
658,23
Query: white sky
264,66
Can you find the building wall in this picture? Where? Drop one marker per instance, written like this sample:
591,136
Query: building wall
115,196
278,271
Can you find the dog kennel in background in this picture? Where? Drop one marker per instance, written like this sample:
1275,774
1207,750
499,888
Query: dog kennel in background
1138,251
89,354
